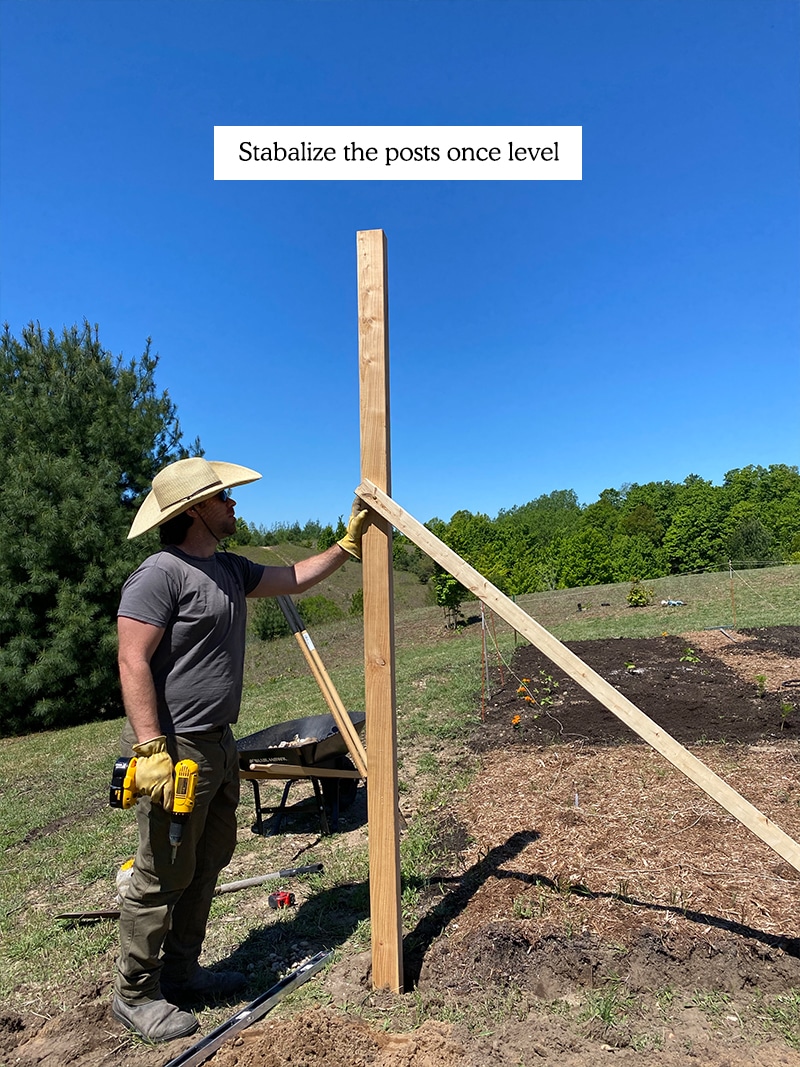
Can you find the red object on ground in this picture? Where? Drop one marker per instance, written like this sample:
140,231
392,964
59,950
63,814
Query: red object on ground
281,899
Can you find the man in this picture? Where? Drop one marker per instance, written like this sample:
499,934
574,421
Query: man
181,625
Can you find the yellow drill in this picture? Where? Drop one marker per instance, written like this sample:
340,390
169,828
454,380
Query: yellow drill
185,789
124,794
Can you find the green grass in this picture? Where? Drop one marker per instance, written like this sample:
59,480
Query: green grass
781,1014
609,1007
62,844
767,597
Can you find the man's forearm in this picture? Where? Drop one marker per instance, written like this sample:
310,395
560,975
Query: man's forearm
310,571
139,698
289,581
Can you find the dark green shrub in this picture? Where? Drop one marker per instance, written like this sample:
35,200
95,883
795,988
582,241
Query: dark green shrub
268,621
318,609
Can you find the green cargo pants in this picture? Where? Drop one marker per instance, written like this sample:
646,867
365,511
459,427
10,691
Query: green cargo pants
164,914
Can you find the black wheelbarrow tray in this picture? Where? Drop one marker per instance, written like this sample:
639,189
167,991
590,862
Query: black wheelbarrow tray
275,754
275,744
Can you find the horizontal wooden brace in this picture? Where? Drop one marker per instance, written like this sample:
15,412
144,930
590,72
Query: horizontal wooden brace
288,772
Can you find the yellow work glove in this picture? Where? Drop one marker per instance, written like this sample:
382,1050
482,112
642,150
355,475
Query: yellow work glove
155,774
351,542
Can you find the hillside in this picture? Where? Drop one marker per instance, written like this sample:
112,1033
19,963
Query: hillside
409,593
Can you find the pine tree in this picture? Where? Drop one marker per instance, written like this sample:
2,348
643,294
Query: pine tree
81,436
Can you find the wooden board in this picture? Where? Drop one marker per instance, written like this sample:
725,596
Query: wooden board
379,660
292,771
592,682
325,683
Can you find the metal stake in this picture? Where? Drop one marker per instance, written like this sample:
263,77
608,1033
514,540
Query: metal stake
255,1010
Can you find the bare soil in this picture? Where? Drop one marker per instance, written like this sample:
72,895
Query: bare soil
595,906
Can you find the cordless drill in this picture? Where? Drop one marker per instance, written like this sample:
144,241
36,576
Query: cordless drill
185,788
123,793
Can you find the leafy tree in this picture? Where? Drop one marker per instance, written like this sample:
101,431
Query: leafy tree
295,534
660,501
749,542
310,533
450,595
403,551
542,521
81,436
637,556
469,534
772,495
642,521
604,515
422,566
694,540
586,559
545,571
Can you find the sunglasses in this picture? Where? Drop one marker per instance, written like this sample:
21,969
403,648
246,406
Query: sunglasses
224,495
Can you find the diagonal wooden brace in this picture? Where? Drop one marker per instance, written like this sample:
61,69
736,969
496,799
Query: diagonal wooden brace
624,709
326,686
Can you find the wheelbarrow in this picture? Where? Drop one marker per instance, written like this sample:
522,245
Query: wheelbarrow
309,748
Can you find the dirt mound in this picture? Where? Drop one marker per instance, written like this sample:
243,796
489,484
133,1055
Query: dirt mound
698,687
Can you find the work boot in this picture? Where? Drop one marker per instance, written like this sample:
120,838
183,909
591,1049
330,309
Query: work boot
202,985
156,1020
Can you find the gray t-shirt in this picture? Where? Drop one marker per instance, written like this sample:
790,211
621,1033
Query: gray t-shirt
199,663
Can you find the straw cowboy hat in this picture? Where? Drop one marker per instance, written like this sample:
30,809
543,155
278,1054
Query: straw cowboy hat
183,484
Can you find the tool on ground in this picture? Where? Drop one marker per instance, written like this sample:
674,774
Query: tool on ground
281,899
123,793
226,887
254,1011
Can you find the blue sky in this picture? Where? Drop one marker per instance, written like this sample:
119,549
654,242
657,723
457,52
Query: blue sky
641,324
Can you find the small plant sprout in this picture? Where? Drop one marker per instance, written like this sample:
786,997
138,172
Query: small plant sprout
689,656
761,682
549,685
787,710
541,695
630,667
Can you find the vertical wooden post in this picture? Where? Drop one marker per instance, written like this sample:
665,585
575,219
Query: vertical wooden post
379,661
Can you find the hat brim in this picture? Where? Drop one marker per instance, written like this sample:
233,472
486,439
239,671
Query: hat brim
150,516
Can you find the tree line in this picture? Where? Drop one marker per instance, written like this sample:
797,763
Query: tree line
83,432
312,534
632,533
